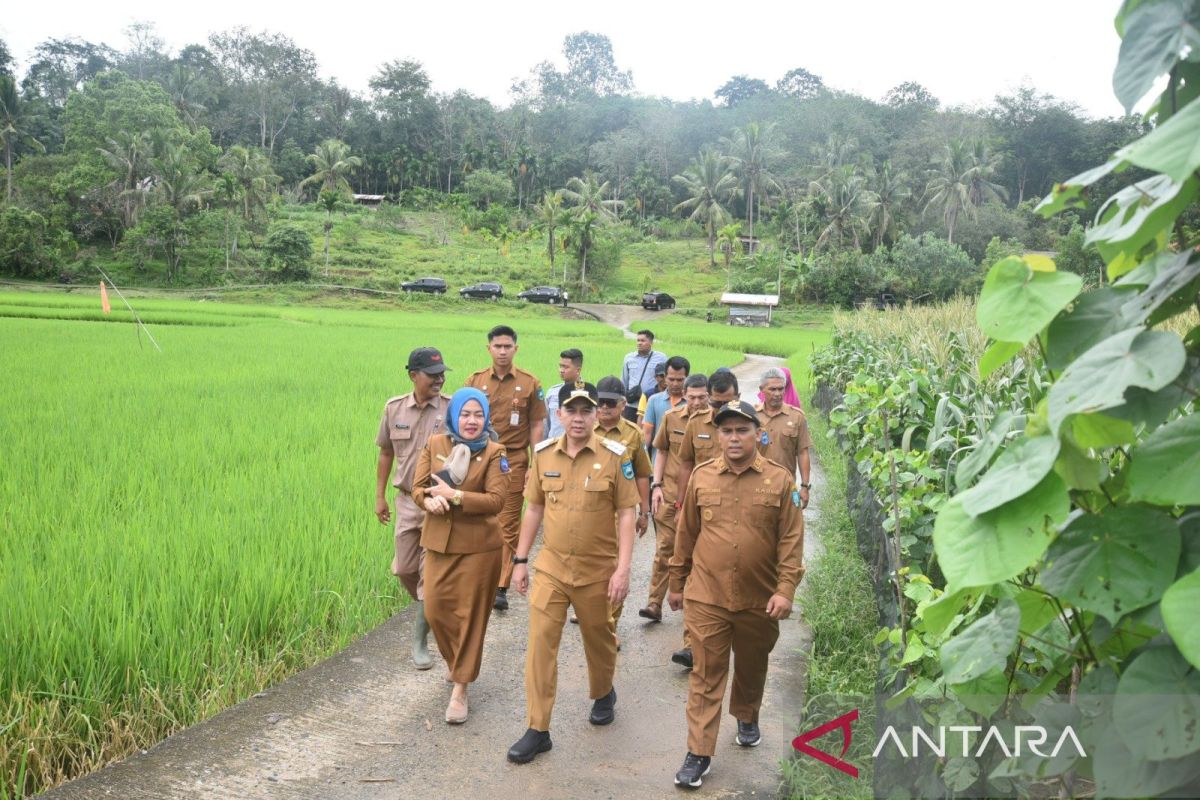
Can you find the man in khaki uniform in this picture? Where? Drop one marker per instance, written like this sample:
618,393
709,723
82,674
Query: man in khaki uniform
582,486
699,444
783,436
739,551
611,424
664,489
518,407
408,422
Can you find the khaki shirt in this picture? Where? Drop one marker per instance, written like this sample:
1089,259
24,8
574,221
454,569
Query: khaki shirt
520,393
699,438
581,496
473,527
405,428
630,435
740,537
786,436
669,438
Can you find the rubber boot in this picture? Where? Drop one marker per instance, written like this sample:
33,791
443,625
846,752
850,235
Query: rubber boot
420,648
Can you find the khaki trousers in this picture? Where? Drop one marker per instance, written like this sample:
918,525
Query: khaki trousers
751,635
548,601
510,517
408,564
664,547
459,592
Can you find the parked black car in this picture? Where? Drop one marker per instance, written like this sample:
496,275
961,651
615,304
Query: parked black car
429,285
544,294
653,301
483,291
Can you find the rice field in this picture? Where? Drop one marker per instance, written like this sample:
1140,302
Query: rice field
180,529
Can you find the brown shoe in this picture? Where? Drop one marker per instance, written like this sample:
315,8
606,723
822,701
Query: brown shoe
652,612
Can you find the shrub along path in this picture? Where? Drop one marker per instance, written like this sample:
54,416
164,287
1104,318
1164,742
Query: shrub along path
364,724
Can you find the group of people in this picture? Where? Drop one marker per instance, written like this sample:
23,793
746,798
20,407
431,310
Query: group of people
478,473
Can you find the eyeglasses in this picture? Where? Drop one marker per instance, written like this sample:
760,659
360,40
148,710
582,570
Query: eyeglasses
606,403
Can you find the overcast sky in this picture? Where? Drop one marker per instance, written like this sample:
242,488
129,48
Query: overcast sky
964,51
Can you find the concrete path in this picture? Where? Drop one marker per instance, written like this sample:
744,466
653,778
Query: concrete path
364,724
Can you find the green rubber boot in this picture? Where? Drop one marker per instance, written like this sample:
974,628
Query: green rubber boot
420,648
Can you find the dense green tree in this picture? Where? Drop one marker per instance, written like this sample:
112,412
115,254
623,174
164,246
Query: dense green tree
16,120
708,184
7,62
485,187
800,84
739,89
61,66
128,154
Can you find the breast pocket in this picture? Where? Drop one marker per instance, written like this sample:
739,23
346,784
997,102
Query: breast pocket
709,501
705,449
764,510
597,495
552,489
401,438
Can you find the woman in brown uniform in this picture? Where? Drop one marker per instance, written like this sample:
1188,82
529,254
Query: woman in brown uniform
460,481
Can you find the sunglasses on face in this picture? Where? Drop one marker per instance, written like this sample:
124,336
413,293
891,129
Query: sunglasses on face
606,403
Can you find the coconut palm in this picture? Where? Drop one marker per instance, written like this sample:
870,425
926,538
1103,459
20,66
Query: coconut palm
16,118
841,199
729,238
709,184
252,169
129,154
961,181
228,193
189,92
889,190
332,162
750,151
550,216
590,209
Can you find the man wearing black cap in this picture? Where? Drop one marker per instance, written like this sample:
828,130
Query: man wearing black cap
582,486
408,422
739,552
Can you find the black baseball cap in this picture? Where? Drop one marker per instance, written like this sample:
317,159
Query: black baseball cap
427,360
574,391
610,388
736,408
660,368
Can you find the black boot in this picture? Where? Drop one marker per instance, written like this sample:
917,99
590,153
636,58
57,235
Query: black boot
603,711
528,746
501,602
683,657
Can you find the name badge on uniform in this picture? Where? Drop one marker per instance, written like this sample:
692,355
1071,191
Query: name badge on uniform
552,474
504,463
400,426
627,469
515,419
703,436
765,439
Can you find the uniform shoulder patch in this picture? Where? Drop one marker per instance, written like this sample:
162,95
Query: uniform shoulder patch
614,446
627,469
540,446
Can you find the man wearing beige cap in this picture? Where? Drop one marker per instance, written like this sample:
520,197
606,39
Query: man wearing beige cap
408,422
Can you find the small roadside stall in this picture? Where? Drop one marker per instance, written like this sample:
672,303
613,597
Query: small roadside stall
752,310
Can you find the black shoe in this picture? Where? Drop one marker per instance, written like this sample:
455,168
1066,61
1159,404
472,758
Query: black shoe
501,602
748,734
528,746
684,659
603,711
692,773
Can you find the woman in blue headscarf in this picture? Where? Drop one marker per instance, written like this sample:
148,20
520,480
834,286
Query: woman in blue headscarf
460,482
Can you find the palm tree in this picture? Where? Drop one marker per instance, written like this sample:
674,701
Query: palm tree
188,93
129,154
228,193
708,183
729,238
332,162
16,117
550,216
179,186
590,208
841,199
330,201
252,169
750,149
888,191
960,182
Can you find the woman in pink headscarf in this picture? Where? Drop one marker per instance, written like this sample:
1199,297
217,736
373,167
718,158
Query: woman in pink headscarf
790,397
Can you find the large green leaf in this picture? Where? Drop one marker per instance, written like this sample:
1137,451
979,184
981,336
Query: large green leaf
1037,610
1092,318
1173,148
1120,773
1136,215
983,646
1018,301
997,355
1155,36
1113,563
983,695
939,613
1151,409
1098,379
1166,466
1101,430
978,459
1077,467
1172,289
1018,470
1157,707
1180,604
1189,531
996,546
1070,192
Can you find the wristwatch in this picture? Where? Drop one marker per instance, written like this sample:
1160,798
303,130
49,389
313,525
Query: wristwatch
456,500
517,560
658,485
806,486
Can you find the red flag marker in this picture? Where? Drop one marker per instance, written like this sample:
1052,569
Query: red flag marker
104,299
